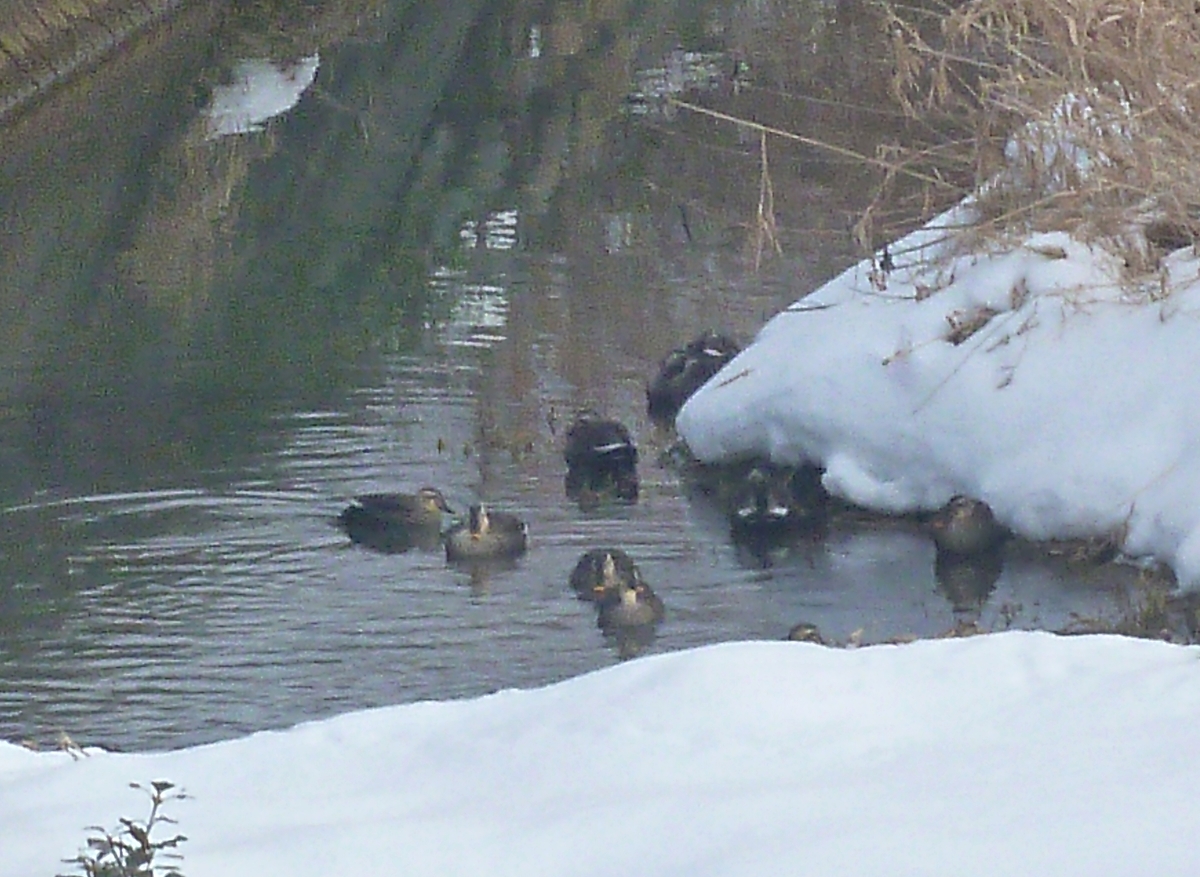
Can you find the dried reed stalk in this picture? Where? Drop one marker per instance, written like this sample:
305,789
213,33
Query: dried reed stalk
1085,114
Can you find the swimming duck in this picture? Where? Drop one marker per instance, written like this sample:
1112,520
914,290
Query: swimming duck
806,632
599,573
773,500
633,605
684,371
394,521
966,527
601,458
595,441
486,535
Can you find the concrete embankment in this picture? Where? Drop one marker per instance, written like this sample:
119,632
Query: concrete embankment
43,42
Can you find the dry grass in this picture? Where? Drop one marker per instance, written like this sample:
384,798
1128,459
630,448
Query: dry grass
1084,115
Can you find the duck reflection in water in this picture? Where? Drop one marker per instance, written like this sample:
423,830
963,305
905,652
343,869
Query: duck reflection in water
479,574
968,582
396,522
631,642
601,461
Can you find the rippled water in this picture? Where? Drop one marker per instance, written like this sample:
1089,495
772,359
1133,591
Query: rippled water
171,569
192,613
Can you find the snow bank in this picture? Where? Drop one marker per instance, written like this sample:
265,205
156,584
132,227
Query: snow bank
1016,753
1070,409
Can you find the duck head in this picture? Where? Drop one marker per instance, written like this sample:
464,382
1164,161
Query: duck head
478,521
432,501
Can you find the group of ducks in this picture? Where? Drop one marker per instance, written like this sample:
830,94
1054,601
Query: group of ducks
601,457
763,502
397,521
601,460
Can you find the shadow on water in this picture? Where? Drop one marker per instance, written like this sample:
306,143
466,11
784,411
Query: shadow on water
465,231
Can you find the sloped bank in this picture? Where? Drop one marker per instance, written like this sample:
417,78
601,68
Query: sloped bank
1030,377
44,42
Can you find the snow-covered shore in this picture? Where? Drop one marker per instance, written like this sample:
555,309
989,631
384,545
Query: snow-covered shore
1028,377
1016,753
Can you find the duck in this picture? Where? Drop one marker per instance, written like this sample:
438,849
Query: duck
601,458
774,500
966,527
684,371
633,605
394,521
598,574
486,535
806,632
597,441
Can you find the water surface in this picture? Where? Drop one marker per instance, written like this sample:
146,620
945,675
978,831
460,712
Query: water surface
415,276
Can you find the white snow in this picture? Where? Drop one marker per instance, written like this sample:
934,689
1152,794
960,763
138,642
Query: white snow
1014,753
1072,411
259,90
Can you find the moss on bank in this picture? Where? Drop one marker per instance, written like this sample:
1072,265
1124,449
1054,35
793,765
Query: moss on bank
42,42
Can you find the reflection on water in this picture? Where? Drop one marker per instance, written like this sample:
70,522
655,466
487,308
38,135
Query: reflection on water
260,89
195,402
185,614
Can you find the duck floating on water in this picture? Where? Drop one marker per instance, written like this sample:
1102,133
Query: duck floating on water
634,605
684,371
966,527
395,521
601,459
599,573
770,501
806,632
486,535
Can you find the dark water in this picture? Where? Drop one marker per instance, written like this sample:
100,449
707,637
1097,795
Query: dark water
210,345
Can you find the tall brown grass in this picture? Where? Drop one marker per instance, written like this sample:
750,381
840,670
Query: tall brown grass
1082,115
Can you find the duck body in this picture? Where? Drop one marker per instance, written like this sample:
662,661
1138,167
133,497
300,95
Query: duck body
486,535
684,371
776,500
633,605
599,574
595,441
601,458
966,527
394,521
806,632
